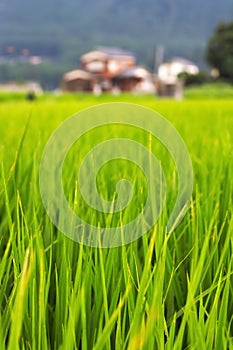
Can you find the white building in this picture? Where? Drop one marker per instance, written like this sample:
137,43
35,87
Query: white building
168,71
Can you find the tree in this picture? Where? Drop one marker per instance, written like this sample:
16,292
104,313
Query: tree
219,52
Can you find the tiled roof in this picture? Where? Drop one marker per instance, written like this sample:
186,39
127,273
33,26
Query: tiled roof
181,60
137,72
114,51
77,74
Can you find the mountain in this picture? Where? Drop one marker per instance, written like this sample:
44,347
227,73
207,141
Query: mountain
64,29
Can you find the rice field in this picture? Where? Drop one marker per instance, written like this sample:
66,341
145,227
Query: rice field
162,291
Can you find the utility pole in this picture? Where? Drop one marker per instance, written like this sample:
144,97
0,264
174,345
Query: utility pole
159,55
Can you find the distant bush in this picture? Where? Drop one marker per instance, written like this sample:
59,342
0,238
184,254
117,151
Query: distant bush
219,53
195,79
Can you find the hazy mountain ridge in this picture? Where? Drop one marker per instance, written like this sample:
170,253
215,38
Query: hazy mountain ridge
65,29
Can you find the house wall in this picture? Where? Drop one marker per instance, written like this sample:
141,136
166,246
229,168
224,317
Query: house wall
108,66
77,85
173,69
126,84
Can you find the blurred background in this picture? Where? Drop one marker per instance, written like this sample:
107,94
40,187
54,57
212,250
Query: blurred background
41,40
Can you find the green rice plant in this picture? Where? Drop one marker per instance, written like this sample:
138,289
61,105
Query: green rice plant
163,291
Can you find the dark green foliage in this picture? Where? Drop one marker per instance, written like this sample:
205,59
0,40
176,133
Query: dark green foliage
195,79
219,53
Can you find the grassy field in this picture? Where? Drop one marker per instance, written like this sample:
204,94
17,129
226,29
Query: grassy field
160,292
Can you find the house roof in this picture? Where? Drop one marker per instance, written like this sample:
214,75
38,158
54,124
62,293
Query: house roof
114,51
77,74
103,52
134,72
181,60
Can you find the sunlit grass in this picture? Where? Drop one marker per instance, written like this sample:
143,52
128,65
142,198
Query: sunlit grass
160,292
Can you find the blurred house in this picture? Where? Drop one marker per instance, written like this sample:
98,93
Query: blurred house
169,83
106,62
108,69
170,89
77,80
169,71
24,87
136,79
